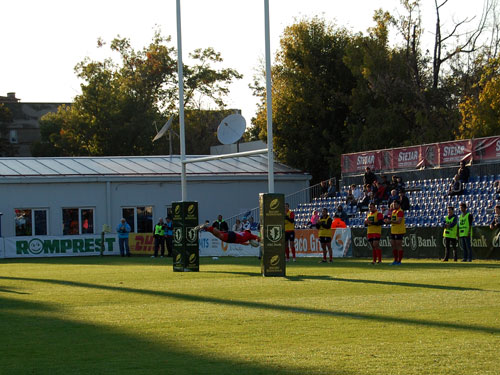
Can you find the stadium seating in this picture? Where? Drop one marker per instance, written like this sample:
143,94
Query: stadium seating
428,202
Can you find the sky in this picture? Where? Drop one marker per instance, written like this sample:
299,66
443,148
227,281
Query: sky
42,41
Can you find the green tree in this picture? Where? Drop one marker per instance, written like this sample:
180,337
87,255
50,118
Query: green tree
481,112
311,87
121,102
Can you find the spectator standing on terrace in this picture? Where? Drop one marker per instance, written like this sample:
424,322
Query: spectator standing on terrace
289,232
398,230
463,172
237,227
403,199
356,192
465,232
450,234
220,224
123,229
378,192
331,188
393,197
374,221
324,189
456,187
324,226
369,177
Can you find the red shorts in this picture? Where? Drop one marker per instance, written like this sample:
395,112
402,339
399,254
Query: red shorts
373,236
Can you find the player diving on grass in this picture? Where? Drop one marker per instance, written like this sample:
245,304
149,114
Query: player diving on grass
243,238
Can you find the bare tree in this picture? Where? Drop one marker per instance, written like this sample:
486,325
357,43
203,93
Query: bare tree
466,40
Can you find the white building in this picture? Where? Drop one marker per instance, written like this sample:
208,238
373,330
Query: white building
79,195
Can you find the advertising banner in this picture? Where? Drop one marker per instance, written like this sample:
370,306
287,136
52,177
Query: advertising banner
407,157
486,149
427,242
455,151
356,163
307,243
212,246
59,246
272,219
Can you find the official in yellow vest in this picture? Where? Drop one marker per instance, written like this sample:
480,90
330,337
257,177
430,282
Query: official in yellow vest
465,232
289,232
324,226
159,238
450,234
398,230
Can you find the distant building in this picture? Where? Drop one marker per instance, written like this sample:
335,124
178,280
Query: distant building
25,127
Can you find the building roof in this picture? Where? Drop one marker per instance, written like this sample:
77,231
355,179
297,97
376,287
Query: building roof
130,166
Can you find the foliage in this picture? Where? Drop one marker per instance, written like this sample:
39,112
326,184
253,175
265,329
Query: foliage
481,112
311,86
121,102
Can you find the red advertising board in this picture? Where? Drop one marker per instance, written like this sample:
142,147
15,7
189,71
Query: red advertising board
352,163
407,157
486,149
455,151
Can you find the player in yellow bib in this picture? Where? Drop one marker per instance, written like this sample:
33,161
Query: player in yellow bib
398,230
373,222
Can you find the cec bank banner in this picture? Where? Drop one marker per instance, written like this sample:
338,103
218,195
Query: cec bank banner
55,246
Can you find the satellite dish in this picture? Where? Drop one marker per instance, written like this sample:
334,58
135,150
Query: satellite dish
231,129
164,129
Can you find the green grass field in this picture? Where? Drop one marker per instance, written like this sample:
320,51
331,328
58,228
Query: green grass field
116,315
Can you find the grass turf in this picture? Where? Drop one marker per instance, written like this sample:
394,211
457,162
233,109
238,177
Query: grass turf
116,315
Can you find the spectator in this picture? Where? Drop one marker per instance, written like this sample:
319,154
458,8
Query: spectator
338,223
237,226
220,224
385,182
324,189
495,223
363,203
456,187
245,224
357,192
378,193
123,229
314,219
465,232
463,172
403,199
369,177
331,188
253,225
349,199
450,234
169,235
341,214
393,197
159,238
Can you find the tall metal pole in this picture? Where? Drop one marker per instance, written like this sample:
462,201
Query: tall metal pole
270,155
180,74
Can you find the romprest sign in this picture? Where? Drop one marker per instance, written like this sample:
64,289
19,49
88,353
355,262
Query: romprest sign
55,246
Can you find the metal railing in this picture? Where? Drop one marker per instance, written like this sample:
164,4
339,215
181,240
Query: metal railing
302,196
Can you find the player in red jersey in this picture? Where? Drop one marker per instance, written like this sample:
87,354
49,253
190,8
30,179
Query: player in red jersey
243,238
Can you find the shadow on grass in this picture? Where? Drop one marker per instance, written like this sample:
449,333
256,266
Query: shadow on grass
268,306
33,342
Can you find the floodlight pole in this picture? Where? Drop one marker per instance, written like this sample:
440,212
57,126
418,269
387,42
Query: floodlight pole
180,74
270,155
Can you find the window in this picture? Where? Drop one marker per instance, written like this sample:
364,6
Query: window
78,221
139,218
31,222
13,136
